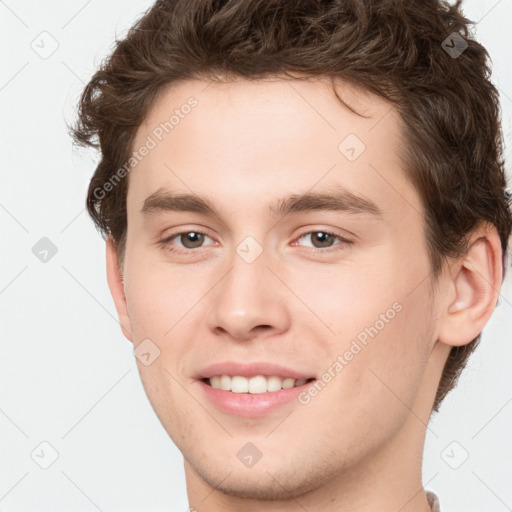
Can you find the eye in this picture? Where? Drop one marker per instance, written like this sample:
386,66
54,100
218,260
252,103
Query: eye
322,240
187,239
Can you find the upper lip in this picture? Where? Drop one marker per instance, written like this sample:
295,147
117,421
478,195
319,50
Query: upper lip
233,368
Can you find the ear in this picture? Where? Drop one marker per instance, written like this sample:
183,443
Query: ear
475,281
115,283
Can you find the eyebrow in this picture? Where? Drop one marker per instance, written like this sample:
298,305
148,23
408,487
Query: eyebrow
338,199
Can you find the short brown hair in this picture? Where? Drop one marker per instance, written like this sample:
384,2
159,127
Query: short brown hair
397,49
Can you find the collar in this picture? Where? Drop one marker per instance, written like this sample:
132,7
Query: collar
433,501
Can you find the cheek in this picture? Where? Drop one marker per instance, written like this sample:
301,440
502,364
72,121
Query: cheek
382,335
391,364
160,299
375,384
347,298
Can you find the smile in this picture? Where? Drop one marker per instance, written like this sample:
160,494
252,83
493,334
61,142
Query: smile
255,385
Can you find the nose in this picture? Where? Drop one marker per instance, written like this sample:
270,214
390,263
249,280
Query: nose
248,301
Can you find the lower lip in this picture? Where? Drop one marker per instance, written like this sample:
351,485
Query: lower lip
250,405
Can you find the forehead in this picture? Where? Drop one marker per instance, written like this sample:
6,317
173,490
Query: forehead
243,140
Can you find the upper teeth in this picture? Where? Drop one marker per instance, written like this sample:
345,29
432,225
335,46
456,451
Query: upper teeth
256,384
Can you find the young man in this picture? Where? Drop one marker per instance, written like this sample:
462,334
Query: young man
307,224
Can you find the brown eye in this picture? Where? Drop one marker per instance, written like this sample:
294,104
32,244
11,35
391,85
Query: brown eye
321,239
193,238
324,242
185,241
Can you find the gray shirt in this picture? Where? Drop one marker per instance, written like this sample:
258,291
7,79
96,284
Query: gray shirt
433,501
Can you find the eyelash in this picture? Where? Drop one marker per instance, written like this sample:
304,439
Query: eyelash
167,240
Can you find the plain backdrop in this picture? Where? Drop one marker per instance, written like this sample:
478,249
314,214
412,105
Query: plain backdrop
70,394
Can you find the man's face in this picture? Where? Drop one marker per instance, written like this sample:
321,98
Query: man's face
260,286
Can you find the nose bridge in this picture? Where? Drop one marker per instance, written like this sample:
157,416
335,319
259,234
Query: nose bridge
249,295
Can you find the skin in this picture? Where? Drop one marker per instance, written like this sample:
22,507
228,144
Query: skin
358,444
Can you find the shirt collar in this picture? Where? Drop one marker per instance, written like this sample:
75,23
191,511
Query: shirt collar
433,501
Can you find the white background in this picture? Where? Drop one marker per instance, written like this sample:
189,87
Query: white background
67,374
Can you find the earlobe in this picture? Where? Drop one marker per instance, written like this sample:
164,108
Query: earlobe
116,285
476,279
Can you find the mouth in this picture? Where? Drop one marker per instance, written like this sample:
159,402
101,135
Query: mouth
252,397
252,389
254,385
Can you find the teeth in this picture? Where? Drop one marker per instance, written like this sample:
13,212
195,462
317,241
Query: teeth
254,385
